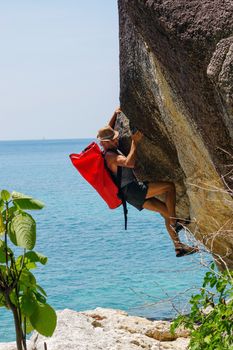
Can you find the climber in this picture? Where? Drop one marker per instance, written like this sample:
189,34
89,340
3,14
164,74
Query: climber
142,194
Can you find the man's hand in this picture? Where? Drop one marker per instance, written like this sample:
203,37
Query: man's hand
137,136
118,110
114,116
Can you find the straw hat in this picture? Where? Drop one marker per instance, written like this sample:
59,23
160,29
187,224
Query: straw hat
107,134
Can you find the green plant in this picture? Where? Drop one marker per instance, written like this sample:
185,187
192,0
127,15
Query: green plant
19,291
211,318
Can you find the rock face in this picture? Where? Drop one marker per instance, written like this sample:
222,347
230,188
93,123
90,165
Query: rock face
107,329
176,78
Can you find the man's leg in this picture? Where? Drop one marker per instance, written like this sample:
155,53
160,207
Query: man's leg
167,188
156,205
167,210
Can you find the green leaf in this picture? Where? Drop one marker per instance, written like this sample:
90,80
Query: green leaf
27,279
2,226
30,259
212,266
3,270
26,202
207,339
30,265
1,204
12,211
29,327
36,257
40,298
2,300
13,298
196,297
3,252
28,304
44,319
41,290
26,263
22,231
5,195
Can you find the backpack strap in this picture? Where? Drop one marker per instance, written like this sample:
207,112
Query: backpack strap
117,181
121,195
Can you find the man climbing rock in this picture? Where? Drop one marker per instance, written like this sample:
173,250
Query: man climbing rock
142,194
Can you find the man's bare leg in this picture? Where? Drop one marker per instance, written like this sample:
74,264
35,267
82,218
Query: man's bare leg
167,210
167,188
173,235
170,200
156,205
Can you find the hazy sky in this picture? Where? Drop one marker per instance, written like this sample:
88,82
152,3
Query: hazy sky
59,69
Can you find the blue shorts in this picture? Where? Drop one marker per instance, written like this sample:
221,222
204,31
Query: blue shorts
135,193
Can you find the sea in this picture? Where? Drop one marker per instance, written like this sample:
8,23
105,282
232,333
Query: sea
92,261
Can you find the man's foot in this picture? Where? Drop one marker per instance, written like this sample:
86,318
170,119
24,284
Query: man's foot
184,249
179,224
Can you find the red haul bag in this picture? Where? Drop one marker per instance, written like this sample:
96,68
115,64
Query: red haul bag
91,165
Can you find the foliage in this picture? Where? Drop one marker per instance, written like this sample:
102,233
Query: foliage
211,318
19,291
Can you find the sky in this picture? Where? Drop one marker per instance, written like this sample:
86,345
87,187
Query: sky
59,68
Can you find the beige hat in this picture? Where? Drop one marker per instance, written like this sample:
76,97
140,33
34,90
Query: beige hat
107,134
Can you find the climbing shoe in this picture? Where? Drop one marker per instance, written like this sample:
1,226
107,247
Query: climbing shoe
179,224
185,250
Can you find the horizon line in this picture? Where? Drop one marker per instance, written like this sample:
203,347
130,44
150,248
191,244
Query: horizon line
49,139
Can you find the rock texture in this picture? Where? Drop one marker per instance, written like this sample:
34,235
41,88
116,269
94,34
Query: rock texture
176,80
107,329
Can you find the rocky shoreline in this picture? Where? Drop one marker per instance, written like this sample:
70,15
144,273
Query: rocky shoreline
107,329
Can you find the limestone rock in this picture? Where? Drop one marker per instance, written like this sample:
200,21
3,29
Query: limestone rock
176,82
106,329
12,346
161,331
7,346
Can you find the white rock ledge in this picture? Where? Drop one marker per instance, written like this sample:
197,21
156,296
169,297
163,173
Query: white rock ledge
106,329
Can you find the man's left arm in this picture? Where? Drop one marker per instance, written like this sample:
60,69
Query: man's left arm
129,161
113,118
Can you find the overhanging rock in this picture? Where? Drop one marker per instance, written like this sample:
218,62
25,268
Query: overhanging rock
176,81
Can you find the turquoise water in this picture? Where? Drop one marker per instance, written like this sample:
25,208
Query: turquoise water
93,261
